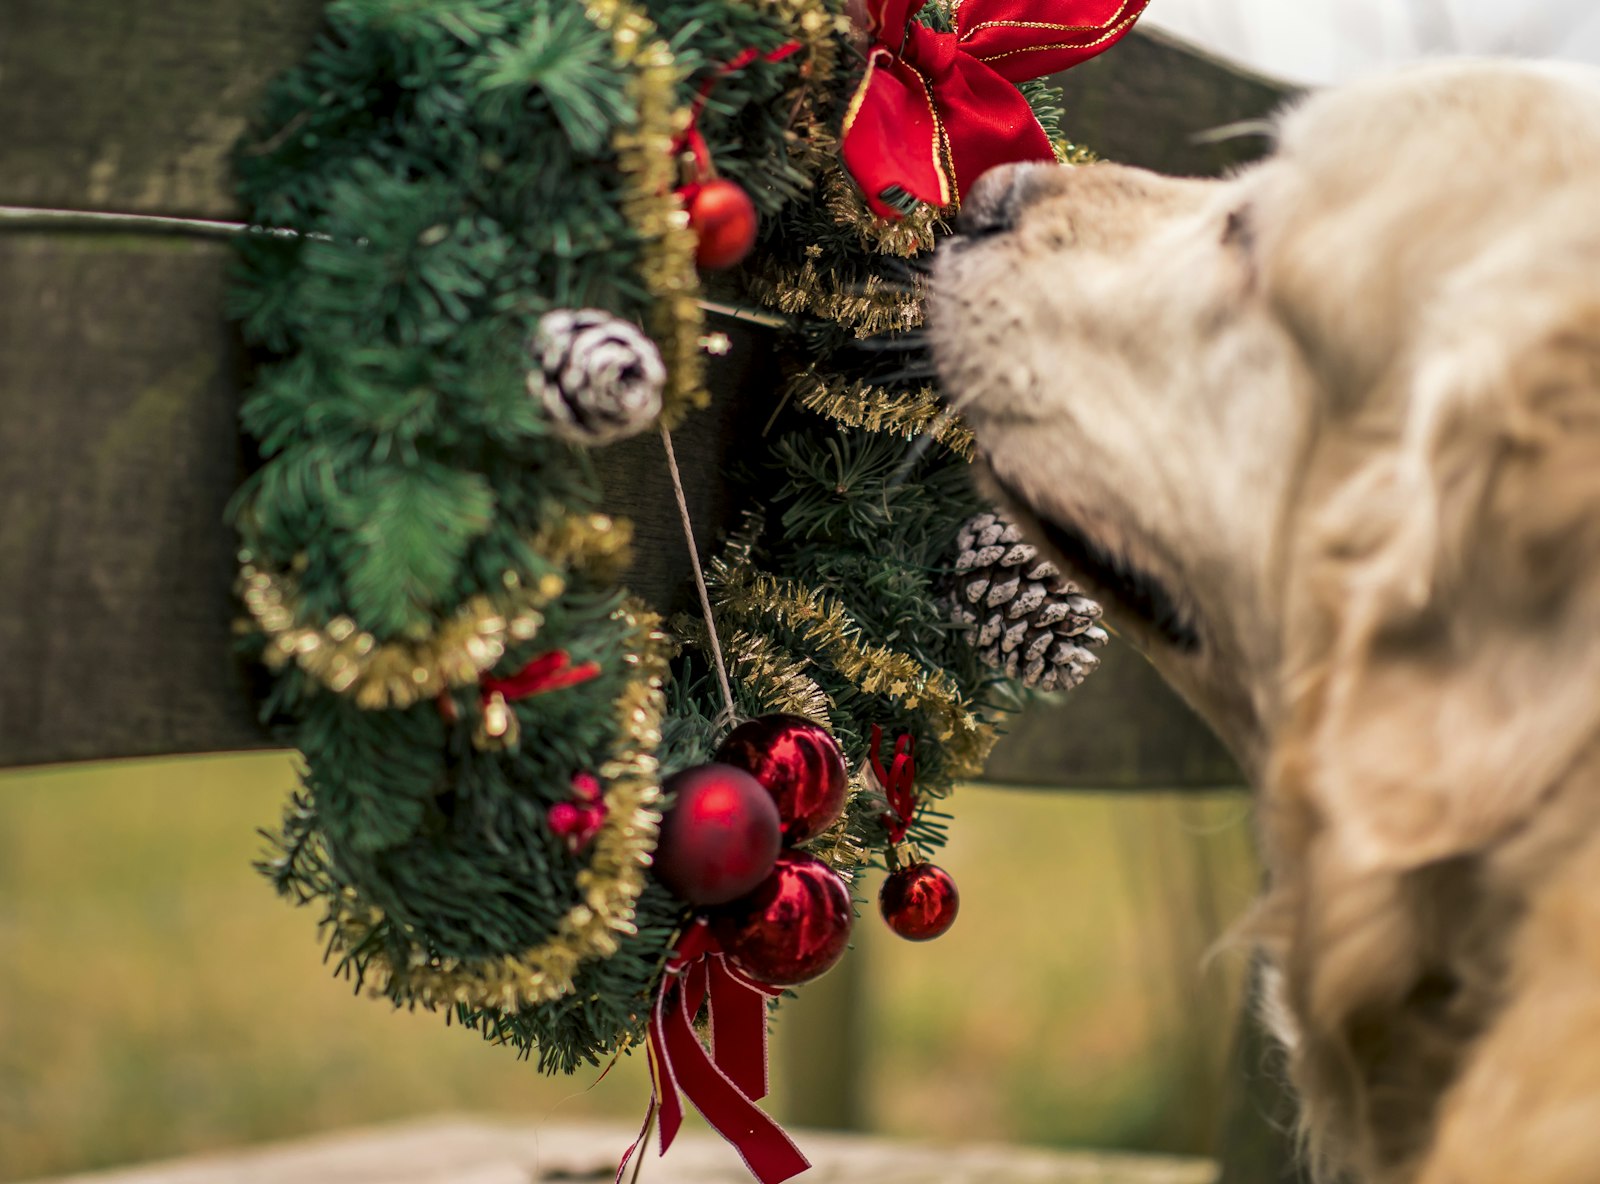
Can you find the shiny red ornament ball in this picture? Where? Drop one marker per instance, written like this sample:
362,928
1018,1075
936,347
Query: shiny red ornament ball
919,902
724,221
719,839
792,927
800,764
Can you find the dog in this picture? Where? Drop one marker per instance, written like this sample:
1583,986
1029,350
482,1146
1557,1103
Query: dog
1325,436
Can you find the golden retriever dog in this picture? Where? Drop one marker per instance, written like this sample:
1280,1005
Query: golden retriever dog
1326,436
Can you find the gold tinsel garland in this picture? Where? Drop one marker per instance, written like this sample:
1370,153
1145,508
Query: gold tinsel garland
651,204
348,660
859,404
777,680
877,670
868,306
457,652
608,887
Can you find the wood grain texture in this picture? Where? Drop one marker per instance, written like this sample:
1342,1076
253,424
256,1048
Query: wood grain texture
463,1151
135,107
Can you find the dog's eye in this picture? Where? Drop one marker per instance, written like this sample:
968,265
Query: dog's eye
1237,231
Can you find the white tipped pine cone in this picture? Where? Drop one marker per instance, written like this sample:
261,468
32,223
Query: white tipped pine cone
598,377
1022,617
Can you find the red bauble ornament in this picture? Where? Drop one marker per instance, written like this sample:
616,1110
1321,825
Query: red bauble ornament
723,218
919,902
801,766
720,837
792,927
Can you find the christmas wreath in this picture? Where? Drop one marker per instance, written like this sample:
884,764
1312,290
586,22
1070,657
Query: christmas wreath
484,242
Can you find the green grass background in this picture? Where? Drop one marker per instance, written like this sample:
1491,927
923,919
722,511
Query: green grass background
156,999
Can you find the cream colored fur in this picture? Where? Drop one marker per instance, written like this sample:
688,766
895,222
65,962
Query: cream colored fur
1345,407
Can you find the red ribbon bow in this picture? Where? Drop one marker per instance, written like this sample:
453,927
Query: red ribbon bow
898,781
725,1083
937,110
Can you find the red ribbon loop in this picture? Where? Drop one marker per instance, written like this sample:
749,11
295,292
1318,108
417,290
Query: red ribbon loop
898,781
548,672
936,111
724,1083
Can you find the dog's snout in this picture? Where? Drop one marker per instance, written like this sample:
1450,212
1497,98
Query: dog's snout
993,204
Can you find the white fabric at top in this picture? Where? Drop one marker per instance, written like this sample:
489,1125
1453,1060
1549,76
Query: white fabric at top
1332,40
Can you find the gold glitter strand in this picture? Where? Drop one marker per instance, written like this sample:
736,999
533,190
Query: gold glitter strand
348,660
778,682
904,237
869,305
457,652
608,887
877,670
650,205
859,404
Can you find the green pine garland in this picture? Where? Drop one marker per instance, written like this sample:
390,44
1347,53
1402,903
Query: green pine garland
432,179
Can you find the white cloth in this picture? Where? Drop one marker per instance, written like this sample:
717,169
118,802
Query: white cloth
1321,41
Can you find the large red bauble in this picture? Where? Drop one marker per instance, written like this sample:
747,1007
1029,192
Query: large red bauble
720,837
801,766
792,927
919,902
723,219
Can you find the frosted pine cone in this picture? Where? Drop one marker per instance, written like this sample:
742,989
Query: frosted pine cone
598,377
1021,616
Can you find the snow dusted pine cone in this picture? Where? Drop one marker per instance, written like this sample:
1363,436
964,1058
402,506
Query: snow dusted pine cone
599,377
1021,616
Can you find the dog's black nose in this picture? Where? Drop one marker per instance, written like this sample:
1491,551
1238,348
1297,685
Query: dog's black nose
992,205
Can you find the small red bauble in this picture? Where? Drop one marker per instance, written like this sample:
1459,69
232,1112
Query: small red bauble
801,766
792,927
919,902
723,219
720,837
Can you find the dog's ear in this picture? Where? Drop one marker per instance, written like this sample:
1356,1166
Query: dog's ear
1459,587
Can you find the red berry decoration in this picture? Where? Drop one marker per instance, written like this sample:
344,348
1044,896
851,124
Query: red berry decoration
919,902
794,926
720,837
723,218
800,764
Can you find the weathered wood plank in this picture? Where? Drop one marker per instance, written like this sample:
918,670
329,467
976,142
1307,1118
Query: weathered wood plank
119,383
135,107
119,450
462,1151
1123,729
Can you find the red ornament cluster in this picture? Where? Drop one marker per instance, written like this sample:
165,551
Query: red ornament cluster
781,916
720,837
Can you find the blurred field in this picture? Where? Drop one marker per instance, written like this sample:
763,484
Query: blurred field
156,999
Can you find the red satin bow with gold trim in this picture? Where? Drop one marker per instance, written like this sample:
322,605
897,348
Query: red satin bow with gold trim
937,110
725,1083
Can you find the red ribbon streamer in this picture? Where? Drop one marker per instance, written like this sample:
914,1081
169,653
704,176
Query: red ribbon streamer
898,781
937,110
691,138
725,1083
548,672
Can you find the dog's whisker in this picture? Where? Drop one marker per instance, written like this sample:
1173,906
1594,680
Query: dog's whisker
1238,130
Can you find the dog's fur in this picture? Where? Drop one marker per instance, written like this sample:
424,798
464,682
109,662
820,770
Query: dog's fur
1329,432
